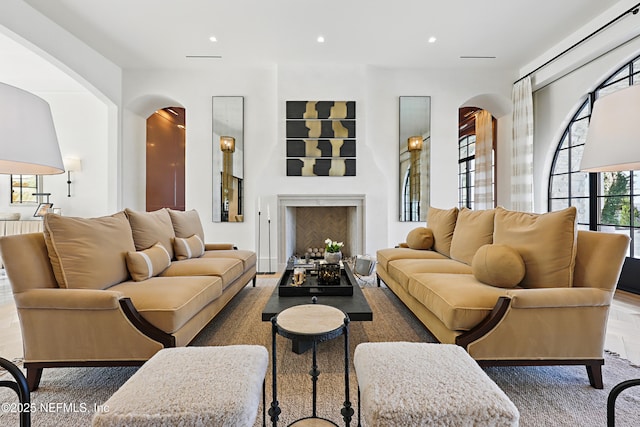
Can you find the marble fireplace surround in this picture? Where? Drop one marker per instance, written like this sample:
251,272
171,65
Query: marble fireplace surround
288,203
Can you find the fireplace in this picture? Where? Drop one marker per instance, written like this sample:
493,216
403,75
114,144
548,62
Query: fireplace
306,220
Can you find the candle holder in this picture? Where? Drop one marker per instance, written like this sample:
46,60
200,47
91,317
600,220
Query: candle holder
329,274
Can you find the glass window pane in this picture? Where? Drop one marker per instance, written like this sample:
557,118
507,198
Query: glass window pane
576,157
463,152
472,149
559,204
560,186
636,215
579,132
582,205
613,88
565,141
636,182
562,162
614,183
615,210
580,184
624,72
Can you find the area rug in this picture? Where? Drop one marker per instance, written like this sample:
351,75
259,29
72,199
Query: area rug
545,396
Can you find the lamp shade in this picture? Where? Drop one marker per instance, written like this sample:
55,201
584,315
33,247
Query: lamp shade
72,164
28,140
613,137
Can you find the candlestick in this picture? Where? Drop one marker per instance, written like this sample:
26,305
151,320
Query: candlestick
268,214
258,204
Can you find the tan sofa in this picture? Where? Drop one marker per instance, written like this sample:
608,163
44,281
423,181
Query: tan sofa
512,288
115,290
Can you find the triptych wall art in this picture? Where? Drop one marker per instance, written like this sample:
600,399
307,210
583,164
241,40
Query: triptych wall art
321,138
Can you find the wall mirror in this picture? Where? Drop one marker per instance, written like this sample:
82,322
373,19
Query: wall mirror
228,158
415,148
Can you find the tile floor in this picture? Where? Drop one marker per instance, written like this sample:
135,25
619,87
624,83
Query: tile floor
623,329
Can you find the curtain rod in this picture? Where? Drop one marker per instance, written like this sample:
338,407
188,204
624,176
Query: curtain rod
634,10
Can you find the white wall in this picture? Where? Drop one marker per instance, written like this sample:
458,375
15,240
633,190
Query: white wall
266,90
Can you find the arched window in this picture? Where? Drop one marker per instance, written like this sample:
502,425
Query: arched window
608,201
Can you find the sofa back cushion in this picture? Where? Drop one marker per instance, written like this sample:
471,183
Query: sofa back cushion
546,242
88,253
149,228
473,230
186,224
442,223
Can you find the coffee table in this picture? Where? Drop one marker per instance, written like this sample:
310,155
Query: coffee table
355,306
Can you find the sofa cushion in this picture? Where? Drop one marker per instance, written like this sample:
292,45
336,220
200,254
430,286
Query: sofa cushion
460,301
442,222
546,242
385,256
473,229
498,265
186,224
170,302
226,268
149,228
248,258
401,270
148,263
88,253
186,248
420,238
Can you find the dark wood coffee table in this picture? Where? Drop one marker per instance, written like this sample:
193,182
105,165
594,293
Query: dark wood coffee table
355,306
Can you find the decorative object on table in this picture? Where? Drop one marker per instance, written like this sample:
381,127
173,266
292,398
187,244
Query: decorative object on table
43,209
299,275
71,165
312,284
321,138
333,251
329,274
29,146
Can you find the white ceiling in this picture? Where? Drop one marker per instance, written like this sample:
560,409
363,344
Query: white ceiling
160,33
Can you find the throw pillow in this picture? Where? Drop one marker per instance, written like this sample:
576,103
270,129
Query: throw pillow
473,229
187,223
191,247
148,263
88,253
442,223
498,265
149,228
420,238
546,242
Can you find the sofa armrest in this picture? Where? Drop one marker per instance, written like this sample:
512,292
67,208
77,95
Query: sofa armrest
559,298
68,299
218,246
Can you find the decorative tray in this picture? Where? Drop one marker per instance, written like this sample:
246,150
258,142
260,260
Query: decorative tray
312,286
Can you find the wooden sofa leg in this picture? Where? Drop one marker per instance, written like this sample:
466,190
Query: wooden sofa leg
33,377
594,371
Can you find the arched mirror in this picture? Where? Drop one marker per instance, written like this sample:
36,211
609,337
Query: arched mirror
228,158
415,148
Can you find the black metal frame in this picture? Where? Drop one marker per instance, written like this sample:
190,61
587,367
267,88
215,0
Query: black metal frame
21,389
613,395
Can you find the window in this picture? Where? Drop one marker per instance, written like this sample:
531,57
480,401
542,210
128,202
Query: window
466,168
605,201
23,188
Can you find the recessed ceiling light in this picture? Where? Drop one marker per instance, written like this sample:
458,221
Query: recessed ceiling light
320,39
213,39
432,39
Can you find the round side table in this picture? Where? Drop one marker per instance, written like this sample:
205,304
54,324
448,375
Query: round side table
312,323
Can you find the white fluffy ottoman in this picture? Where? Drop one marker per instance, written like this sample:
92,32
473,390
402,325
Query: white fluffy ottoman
191,386
417,384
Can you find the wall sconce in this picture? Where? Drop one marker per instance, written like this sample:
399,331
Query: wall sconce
415,143
227,143
71,165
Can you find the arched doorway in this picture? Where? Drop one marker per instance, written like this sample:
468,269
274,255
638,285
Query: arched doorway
165,159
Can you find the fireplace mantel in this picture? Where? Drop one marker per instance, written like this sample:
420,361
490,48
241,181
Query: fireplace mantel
287,203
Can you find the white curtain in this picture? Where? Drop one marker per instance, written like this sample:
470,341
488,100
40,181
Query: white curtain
483,184
522,149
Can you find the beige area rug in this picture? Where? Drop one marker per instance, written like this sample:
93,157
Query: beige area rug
545,396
